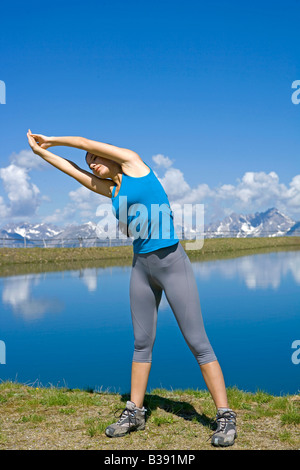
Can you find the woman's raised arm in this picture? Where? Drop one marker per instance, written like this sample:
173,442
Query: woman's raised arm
89,180
117,154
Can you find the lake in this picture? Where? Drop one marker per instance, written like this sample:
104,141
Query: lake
73,328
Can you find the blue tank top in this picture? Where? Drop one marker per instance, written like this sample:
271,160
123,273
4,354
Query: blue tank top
142,207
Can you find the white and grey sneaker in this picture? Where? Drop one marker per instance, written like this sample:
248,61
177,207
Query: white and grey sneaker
131,419
225,434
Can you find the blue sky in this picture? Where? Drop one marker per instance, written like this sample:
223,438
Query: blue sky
201,90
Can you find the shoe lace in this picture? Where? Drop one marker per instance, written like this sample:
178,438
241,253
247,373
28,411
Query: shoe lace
223,419
126,413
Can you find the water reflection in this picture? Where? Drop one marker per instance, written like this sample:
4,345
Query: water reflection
18,294
256,271
75,326
88,277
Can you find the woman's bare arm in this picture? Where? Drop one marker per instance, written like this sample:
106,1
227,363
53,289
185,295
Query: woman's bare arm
87,179
117,154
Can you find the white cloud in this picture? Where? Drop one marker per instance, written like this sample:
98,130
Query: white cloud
259,187
59,216
23,195
82,207
292,195
3,209
162,161
27,159
86,202
255,191
259,190
174,183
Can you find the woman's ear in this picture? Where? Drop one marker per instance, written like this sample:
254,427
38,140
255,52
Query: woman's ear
86,156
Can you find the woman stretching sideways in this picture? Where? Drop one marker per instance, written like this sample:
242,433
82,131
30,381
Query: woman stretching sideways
159,264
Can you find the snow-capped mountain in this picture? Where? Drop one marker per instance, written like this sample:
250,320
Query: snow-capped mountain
48,235
27,234
295,230
32,231
88,234
271,223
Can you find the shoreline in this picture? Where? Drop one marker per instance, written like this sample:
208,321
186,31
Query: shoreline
36,260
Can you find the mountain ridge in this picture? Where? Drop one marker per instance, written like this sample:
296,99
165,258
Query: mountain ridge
270,223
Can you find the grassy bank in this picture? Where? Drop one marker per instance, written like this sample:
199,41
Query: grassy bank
35,417
27,259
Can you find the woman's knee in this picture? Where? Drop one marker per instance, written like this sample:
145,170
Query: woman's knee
202,350
142,354
204,354
143,346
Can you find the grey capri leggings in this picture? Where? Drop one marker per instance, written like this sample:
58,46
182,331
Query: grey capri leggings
167,269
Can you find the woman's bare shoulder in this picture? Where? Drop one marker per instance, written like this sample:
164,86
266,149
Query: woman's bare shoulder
135,167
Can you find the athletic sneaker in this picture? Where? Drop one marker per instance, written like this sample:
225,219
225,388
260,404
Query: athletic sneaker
226,429
131,419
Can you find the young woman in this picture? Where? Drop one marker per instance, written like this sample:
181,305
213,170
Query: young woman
159,264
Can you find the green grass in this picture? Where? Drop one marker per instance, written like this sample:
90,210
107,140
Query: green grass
40,259
291,415
59,418
20,261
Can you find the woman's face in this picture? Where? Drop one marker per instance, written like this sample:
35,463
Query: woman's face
101,167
